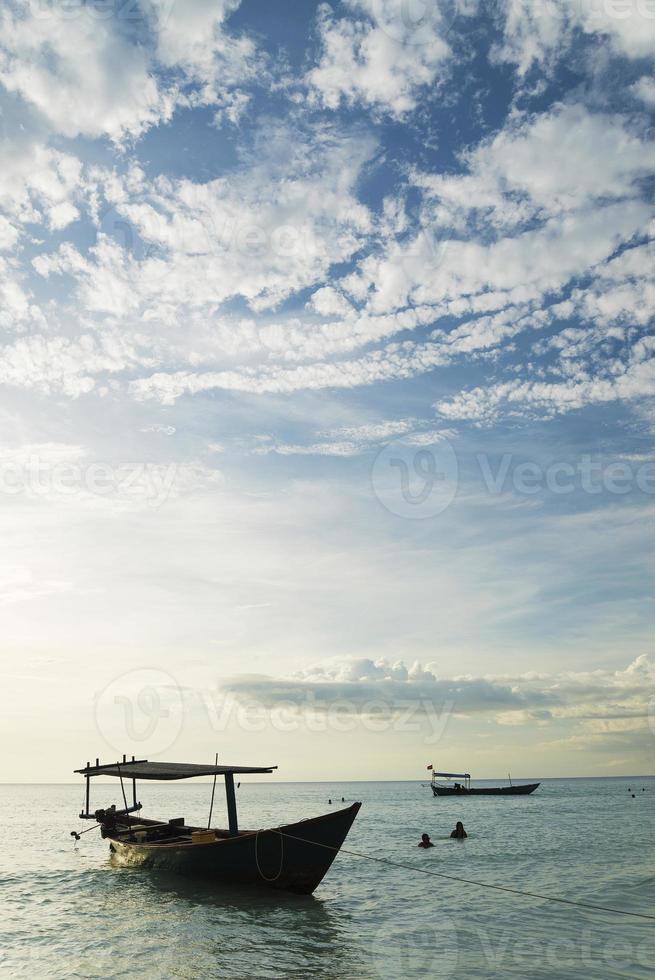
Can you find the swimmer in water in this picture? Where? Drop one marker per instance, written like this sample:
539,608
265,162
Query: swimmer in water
425,841
459,833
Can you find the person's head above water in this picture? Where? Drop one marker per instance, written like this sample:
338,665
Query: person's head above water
425,841
459,825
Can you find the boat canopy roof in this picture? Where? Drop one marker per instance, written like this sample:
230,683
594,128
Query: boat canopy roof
142,769
453,775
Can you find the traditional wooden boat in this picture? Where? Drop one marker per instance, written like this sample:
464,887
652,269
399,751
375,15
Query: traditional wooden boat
294,857
465,789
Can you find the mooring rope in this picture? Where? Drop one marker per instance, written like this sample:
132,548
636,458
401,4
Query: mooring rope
471,881
275,877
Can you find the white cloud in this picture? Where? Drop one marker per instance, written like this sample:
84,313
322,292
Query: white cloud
543,32
543,203
634,381
8,234
160,428
377,431
632,263
275,227
533,32
527,264
187,32
15,308
628,24
607,356
363,681
61,215
61,364
644,89
191,36
521,218
590,701
309,449
470,339
38,183
80,72
326,301
377,57
92,74
559,160
394,361
353,440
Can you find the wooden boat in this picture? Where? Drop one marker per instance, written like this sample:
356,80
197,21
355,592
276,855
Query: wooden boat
465,789
294,857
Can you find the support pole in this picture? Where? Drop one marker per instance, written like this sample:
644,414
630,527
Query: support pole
231,805
88,788
211,805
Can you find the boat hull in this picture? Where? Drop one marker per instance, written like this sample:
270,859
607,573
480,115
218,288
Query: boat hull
520,790
294,857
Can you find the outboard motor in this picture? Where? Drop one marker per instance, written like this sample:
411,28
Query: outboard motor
107,820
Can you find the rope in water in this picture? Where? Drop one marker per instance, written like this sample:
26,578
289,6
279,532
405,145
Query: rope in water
470,881
275,877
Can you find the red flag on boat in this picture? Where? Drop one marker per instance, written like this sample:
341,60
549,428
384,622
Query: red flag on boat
430,766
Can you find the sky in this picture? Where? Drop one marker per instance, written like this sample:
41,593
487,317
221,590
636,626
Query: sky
328,385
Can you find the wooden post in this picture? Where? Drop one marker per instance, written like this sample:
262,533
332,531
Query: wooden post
88,787
134,791
211,805
231,805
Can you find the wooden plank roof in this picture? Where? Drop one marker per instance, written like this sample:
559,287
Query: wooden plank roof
142,769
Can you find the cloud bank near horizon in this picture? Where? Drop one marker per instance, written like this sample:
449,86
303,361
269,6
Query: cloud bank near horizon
600,707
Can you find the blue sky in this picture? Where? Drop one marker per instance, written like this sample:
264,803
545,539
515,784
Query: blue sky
329,375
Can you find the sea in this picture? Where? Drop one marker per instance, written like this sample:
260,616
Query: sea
66,911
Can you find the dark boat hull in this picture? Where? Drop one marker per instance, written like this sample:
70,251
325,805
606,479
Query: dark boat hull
520,790
294,857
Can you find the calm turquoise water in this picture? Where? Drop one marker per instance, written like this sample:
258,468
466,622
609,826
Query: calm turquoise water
66,912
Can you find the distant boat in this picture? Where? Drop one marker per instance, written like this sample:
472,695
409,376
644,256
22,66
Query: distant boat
294,856
465,789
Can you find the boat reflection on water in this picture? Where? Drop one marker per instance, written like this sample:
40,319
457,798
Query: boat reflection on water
213,933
